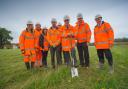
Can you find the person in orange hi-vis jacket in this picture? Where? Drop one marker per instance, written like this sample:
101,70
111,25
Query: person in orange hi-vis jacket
43,42
60,51
38,32
68,41
54,39
103,40
83,38
27,45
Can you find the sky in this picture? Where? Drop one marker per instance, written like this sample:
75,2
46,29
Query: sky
14,14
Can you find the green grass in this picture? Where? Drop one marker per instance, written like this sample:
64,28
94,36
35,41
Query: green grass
13,74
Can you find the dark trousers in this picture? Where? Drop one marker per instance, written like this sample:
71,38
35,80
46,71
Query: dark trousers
73,55
53,51
83,54
107,53
67,58
60,53
44,58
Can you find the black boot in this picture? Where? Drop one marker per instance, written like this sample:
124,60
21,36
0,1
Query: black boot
32,65
53,66
27,65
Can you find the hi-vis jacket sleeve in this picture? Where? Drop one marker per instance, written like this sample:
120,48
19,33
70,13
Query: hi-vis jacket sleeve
49,38
110,33
21,41
88,31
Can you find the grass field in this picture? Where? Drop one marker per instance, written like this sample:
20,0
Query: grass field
13,74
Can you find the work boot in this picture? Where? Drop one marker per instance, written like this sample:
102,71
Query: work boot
32,65
100,66
111,69
27,65
53,66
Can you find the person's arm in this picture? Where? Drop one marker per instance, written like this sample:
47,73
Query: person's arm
22,42
88,31
49,38
41,41
110,32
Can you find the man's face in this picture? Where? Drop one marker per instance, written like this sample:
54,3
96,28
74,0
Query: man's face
29,26
38,26
66,22
79,20
98,20
59,25
54,23
45,31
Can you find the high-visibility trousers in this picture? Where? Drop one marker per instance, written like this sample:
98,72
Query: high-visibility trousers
28,58
39,58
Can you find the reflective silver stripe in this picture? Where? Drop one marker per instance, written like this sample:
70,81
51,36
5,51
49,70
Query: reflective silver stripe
46,46
73,45
21,44
109,28
110,39
26,56
66,39
32,55
66,47
36,45
101,42
29,49
27,37
101,31
82,39
88,31
22,35
75,33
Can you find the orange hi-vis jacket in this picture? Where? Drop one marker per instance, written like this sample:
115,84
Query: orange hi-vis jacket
54,36
104,36
68,42
27,42
83,32
46,44
37,36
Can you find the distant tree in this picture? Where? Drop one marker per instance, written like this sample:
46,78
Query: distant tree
121,39
5,37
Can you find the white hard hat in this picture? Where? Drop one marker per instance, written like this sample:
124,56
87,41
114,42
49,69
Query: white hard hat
53,20
98,16
79,15
38,23
29,22
44,27
66,17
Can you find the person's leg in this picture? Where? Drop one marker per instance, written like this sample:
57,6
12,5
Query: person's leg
100,53
60,53
80,52
58,56
26,61
64,55
86,54
52,52
67,57
33,59
109,57
73,55
45,58
38,59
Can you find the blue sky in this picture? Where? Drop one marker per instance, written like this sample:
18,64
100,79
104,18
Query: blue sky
15,13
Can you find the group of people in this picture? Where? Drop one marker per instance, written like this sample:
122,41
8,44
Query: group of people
35,42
